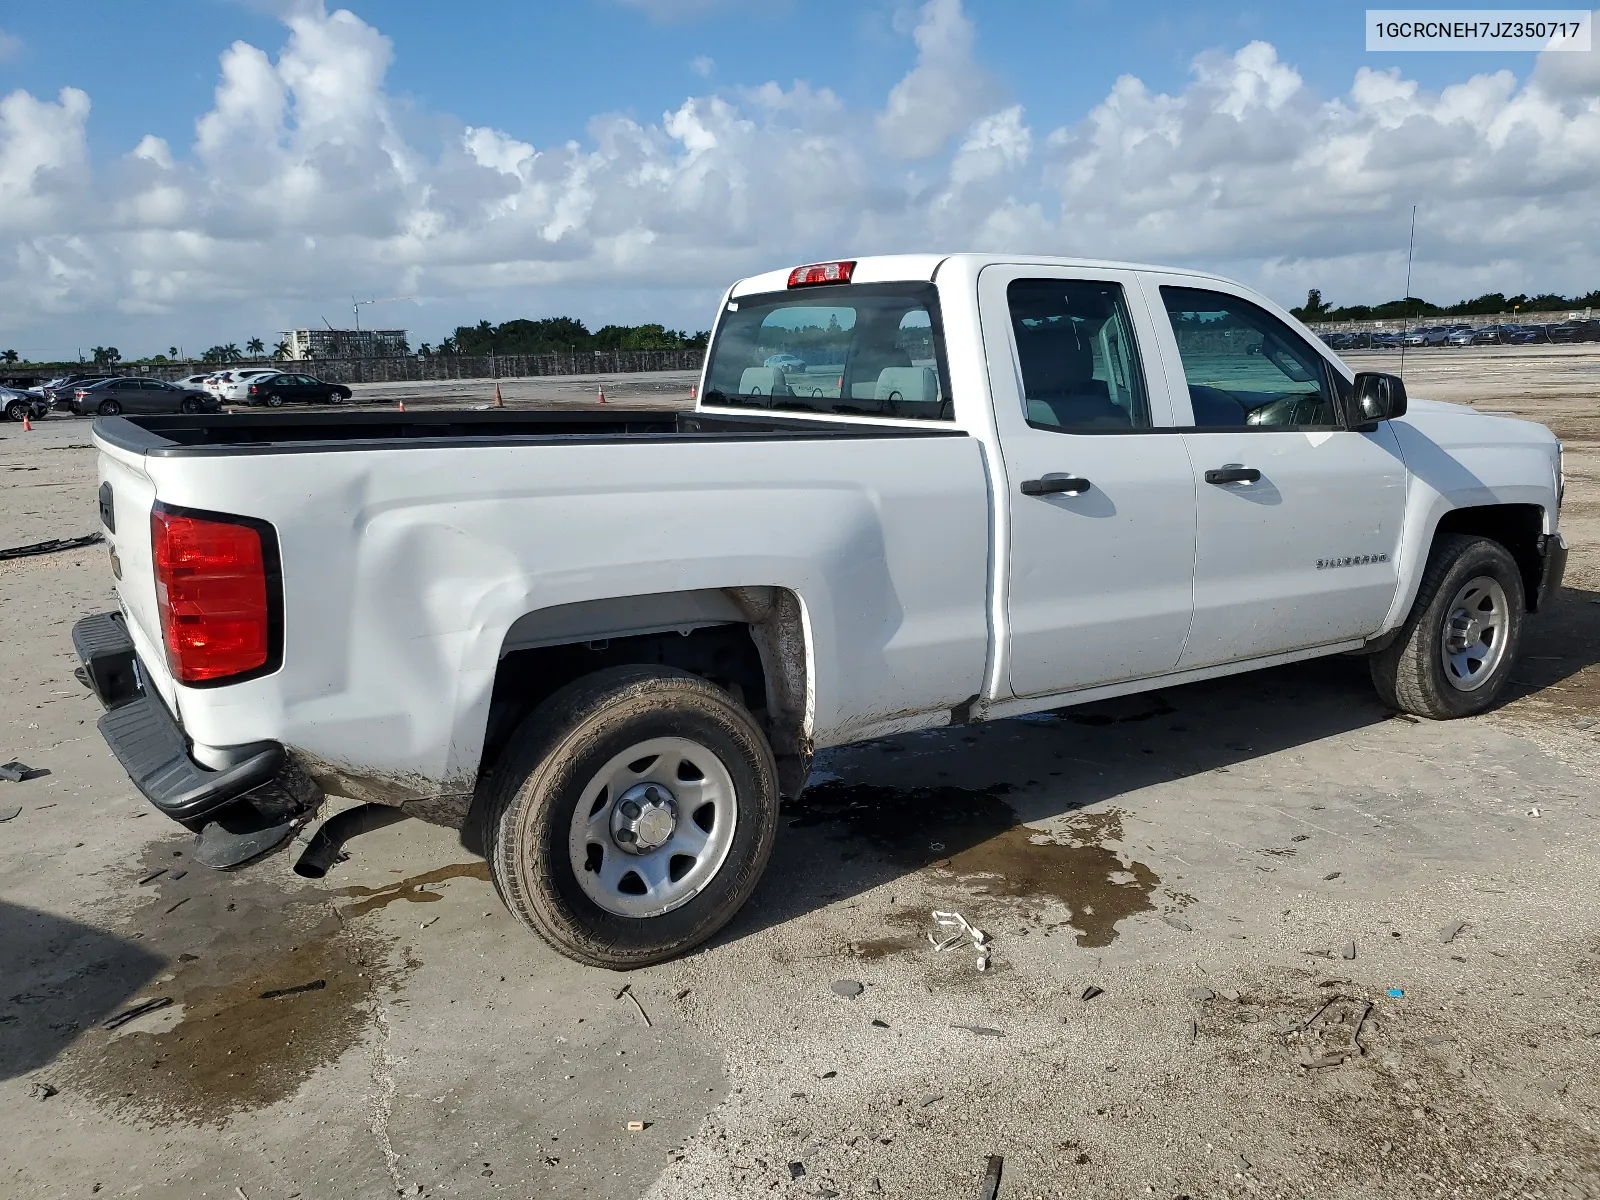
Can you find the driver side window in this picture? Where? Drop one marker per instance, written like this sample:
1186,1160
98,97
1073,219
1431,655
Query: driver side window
1244,367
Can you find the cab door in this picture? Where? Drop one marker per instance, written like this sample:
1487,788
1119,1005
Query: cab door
1099,506
1299,515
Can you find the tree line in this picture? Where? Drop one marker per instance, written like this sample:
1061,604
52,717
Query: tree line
1487,305
560,335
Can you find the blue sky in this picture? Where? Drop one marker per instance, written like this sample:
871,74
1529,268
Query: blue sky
413,148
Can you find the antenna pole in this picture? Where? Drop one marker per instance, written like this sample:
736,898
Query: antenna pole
1405,301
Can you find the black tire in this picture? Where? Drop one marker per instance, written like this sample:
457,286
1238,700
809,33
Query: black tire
1410,674
335,398
190,406
109,408
273,400
18,409
557,752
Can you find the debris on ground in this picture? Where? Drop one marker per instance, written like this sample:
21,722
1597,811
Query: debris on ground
848,988
1349,951
1449,933
1331,875
1396,993
177,906
627,990
51,546
1333,1034
16,772
1201,993
316,985
138,1010
636,1126
1177,923
959,929
880,1024
796,1169
153,876
929,1100
980,1030
8,811
990,1187
41,1090
1090,992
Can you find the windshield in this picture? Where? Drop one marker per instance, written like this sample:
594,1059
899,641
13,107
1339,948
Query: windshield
860,349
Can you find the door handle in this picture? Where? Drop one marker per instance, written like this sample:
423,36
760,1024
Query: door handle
1233,473
1056,485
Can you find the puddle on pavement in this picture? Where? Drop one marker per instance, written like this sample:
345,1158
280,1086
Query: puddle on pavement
974,834
415,889
269,985
234,1050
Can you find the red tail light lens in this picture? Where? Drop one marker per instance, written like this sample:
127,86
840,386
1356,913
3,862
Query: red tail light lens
214,595
252,389
818,273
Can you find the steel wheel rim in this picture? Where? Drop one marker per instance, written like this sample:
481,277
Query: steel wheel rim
653,881
1473,641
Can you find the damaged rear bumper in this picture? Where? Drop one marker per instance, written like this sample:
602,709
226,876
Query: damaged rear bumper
266,787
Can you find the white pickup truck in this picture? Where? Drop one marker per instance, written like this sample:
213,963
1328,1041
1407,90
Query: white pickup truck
916,491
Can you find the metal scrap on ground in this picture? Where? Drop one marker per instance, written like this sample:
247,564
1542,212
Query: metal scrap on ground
51,546
138,1010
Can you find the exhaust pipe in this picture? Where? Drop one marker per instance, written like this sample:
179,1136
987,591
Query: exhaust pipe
323,849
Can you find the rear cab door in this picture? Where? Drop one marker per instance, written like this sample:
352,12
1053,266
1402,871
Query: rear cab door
1299,514
1099,491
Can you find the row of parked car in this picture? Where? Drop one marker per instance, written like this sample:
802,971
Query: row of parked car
106,395
1584,330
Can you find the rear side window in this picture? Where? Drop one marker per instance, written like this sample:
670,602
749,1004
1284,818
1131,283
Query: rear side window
1080,366
853,350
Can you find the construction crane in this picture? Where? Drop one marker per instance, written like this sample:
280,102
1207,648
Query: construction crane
355,305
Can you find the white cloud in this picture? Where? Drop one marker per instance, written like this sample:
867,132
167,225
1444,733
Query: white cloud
703,65
943,93
10,46
299,188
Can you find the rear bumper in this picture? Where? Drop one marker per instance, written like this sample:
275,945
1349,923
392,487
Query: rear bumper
1553,557
266,784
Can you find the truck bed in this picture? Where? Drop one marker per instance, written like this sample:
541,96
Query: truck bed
288,433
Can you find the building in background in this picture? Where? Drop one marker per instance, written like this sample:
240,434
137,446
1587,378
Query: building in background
346,343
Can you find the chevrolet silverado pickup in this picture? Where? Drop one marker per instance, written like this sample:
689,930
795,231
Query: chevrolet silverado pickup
915,491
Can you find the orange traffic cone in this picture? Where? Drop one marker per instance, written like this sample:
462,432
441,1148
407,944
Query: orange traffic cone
27,422
602,391
402,406
498,402
694,392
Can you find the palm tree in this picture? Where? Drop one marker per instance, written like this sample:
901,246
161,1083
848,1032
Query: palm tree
281,350
232,351
9,357
172,352
256,347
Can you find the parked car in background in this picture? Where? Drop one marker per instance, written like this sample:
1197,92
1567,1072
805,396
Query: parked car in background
110,397
1385,341
16,404
1527,335
58,392
283,388
785,362
234,384
1576,331
194,381
1461,337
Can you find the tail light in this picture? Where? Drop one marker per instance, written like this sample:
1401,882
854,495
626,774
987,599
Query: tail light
80,394
218,590
818,273
252,389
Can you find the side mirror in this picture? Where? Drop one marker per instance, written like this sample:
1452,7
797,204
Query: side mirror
1379,397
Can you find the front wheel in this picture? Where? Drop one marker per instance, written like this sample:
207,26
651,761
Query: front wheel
18,409
632,816
1456,650
190,406
335,398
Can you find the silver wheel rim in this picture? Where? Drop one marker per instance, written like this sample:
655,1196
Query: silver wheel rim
652,827
1473,641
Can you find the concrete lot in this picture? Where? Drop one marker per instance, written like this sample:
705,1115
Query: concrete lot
1202,856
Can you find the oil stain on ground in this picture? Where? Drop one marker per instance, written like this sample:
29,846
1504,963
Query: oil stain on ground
414,890
271,986
975,834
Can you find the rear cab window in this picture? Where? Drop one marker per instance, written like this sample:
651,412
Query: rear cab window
872,349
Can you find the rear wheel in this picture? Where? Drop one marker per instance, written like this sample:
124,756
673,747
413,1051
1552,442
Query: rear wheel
632,816
274,400
1456,651
109,408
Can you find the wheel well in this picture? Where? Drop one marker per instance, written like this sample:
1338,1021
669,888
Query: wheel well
1517,527
749,641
